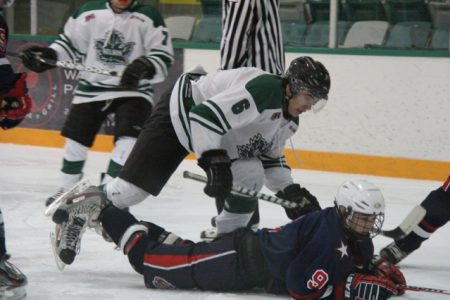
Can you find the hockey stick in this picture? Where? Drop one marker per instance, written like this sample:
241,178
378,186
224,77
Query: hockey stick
69,65
408,224
247,192
424,289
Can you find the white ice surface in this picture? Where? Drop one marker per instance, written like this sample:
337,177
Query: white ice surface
28,175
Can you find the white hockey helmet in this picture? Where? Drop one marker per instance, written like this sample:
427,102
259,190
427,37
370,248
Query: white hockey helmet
6,3
361,206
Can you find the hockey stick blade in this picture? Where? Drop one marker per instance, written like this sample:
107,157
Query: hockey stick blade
408,224
424,289
397,233
70,65
247,192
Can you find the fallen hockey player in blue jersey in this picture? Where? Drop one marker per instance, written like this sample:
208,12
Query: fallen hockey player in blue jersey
326,254
436,213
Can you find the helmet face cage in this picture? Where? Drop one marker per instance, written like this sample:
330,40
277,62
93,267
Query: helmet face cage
362,226
307,75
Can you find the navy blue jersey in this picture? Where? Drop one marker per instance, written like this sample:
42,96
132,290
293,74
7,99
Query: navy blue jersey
312,255
7,76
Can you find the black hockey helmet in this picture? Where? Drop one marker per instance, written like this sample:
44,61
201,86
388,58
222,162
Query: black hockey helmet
307,74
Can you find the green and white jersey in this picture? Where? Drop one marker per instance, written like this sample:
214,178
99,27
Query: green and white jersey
106,40
237,110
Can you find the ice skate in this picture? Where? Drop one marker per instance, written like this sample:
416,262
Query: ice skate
71,182
77,188
393,253
51,199
210,234
73,213
12,281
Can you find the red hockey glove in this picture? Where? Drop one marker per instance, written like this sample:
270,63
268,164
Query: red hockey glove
20,86
14,111
384,269
15,104
366,287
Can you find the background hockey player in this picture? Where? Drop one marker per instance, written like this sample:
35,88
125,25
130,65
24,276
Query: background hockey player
15,104
437,214
236,122
119,35
327,254
251,37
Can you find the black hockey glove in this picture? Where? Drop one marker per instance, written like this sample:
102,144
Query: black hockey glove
367,287
30,58
300,195
140,68
216,163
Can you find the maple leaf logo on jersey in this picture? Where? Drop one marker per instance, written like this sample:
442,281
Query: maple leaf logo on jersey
112,50
257,146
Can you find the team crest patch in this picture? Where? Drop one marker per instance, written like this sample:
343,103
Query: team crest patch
113,49
257,145
161,283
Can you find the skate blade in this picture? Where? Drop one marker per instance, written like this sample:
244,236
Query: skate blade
77,188
53,240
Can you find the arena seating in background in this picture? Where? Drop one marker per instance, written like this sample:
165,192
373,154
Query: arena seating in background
366,33
407,35
391,24
293,33
180,27
363,10
208,30
440,13
407,11
212,7
440,39
317,34
292,10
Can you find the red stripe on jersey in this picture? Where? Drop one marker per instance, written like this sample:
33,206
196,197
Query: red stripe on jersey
446,186
427,227
167,260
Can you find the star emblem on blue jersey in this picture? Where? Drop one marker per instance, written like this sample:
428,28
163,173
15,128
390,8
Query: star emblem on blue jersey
343,250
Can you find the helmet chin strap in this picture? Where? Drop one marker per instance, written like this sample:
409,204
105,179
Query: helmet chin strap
285,101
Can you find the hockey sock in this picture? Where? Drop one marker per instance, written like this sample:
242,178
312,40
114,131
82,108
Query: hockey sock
220,202
112,172
236,214
119,155
437,206
115,222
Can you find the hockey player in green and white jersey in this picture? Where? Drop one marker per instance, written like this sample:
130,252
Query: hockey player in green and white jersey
236,122
121,36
